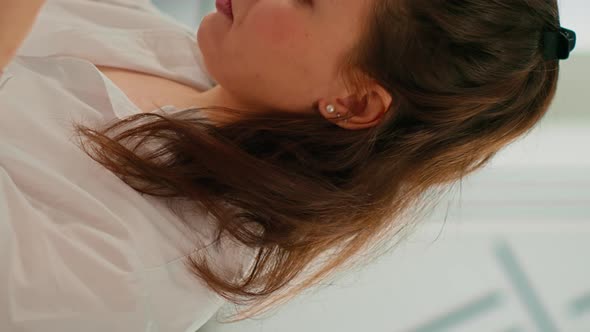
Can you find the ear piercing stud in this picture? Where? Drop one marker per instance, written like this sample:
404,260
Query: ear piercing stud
331,109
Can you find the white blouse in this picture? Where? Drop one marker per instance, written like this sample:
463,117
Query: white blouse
80,250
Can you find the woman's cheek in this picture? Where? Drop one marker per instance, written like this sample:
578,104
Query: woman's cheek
279,29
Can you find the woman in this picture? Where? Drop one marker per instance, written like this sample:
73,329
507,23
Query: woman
306,129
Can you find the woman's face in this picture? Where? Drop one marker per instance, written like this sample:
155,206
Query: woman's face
281,54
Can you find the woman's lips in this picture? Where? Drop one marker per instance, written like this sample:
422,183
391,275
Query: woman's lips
225,6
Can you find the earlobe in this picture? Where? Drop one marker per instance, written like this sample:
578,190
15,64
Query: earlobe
333,111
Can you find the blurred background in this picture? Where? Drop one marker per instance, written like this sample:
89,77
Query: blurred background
508,250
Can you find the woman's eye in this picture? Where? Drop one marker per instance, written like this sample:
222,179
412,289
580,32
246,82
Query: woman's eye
306,2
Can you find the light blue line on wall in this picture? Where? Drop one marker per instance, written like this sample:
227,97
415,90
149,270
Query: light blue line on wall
580,305
460,315
514,329
523,288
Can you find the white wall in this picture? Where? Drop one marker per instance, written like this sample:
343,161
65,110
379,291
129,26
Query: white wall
574,15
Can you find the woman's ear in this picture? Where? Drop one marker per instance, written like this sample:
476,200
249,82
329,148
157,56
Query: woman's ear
353,105
363,111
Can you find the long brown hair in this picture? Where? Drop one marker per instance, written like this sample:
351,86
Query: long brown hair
467,78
